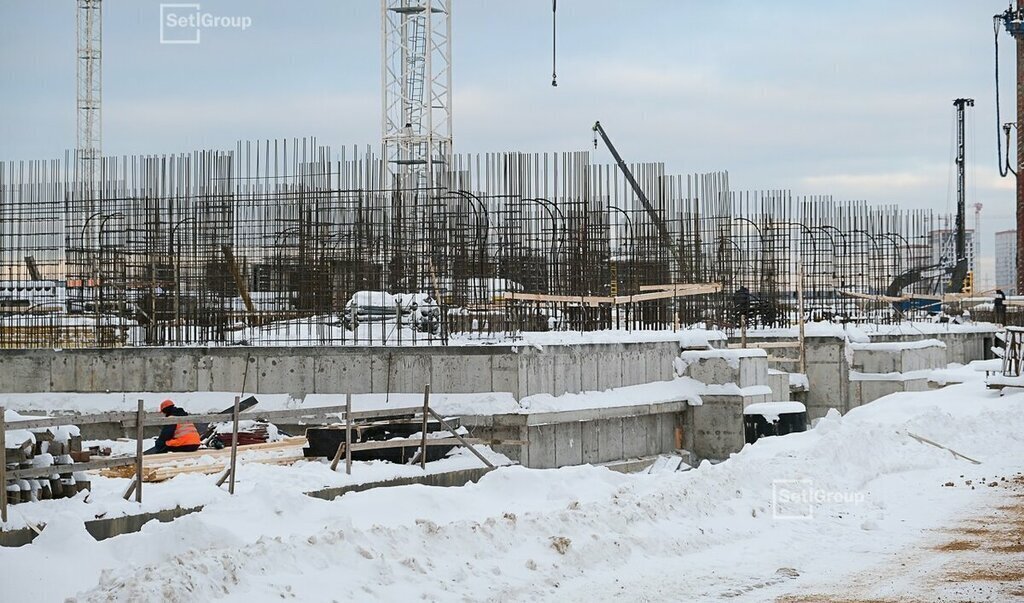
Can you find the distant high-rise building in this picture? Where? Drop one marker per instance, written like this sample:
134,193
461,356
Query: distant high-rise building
943,245
1006,261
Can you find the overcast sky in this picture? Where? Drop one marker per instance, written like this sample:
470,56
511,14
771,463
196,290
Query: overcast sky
851,99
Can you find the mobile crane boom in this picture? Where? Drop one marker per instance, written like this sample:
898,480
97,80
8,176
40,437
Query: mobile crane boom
656,219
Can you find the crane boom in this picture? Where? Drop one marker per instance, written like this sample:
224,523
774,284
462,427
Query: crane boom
656,218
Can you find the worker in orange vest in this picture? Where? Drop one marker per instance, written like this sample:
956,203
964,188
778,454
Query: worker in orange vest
183,437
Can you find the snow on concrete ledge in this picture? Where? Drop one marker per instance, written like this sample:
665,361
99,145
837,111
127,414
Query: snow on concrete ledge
771,410
731,356
907,376
897,346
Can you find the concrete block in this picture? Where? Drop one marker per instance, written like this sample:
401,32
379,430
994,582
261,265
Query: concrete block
634,365
135,377
634,437
778,381
609,440
609,367
652,428
718,426
825,349
568,444
667,423
589,379
829,385
397,371
505,372
25,372
744,371
536,373
96,372
342,373
590,434
411,371
184,371
62,374
226,370
460,373
542,447
568,370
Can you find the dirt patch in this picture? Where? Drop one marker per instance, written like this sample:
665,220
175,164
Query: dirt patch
827,599
988,575
957,545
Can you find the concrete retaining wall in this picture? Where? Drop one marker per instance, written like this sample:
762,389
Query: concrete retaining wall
333,370
559,439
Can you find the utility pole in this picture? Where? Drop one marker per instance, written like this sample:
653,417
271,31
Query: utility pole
961,178
1013,22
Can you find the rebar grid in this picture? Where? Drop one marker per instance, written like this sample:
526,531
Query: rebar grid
289,243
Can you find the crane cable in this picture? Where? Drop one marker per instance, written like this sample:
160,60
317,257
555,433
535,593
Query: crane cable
554,74
1004,166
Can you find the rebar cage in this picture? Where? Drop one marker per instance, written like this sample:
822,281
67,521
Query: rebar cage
289,243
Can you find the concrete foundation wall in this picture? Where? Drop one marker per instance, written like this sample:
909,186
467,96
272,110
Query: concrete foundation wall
592,436
961,348
881,359
523,371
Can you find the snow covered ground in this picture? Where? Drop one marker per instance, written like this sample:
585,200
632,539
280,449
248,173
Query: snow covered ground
854,509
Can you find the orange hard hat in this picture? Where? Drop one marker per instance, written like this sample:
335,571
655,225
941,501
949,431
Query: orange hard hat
165,405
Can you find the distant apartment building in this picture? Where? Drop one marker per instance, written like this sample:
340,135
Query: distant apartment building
943,247
1006,261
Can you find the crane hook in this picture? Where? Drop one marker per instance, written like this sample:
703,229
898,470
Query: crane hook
554,74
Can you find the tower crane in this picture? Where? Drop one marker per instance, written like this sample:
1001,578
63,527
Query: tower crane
653,214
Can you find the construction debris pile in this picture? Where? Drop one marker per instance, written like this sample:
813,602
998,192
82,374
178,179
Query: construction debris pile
56,447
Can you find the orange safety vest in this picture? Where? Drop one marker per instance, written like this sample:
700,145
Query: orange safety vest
185,434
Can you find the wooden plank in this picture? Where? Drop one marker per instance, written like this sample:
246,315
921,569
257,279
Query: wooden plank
412,442
464,441
870,297
153,460
166,473
423,432
243,289
591,300
139,437
234,445
106,417
3,466
30,472
128,419
679,286
766,345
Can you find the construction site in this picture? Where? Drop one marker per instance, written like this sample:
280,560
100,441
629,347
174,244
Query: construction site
533,335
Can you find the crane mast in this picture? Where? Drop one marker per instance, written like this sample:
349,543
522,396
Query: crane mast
88,69
961,105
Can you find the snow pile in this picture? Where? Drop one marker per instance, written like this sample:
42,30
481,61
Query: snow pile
578,533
